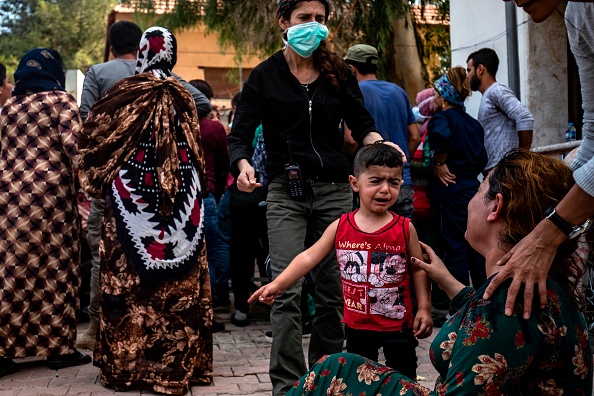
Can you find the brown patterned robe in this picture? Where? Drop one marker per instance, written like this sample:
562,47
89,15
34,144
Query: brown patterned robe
151,335
39,225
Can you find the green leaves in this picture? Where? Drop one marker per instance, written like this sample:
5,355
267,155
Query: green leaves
75,28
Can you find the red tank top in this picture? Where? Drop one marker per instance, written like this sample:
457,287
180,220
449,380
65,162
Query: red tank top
374,273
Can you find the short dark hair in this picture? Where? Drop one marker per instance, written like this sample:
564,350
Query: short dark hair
377,154
124,38
203,87
363,68
235,99
2,73
486,57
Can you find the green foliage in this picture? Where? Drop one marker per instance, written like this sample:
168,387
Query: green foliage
75,28
251,26
433,41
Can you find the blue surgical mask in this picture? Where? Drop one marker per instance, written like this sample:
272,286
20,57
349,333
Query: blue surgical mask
305,38
418,116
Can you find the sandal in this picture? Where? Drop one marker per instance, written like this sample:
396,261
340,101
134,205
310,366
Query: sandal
63,361
7,367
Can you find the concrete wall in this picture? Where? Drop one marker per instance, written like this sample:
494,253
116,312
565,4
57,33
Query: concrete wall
542,60
546,79
197,50
74,83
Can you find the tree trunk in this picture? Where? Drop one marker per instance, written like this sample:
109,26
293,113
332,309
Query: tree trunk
407,68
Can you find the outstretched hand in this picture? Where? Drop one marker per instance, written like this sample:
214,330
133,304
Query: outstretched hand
437,271
266,294
527,263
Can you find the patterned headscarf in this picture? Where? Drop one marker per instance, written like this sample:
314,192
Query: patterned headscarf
41,69
157,53
141,147
284,7
447,90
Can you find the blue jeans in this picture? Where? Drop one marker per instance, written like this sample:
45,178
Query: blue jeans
223,253
289,223
210,234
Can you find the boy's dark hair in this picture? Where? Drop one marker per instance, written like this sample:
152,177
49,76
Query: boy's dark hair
363,68
2,73
377,154
203,87
124,38
486,57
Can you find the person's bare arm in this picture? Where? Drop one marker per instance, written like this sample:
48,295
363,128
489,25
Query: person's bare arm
525,138
423,324
372,137
528,262
301,265
414,139
350,145
437,271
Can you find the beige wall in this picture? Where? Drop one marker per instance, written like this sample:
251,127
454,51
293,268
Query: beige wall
197,50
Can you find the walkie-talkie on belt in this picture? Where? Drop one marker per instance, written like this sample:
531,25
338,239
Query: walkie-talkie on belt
293,172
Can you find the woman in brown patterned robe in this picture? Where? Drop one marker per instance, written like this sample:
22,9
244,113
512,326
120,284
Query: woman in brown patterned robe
140,150
39,224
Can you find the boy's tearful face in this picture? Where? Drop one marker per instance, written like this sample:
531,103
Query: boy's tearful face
378,187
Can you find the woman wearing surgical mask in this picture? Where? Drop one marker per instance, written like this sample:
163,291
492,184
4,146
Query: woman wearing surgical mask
300,95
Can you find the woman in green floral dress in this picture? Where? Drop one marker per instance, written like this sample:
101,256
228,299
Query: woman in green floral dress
480,350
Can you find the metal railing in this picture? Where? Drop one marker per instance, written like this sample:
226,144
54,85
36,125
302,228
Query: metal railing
559,149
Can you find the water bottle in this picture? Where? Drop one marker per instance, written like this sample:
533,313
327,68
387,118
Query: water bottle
570,133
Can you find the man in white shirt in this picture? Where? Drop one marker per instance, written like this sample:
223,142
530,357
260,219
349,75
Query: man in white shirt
507,122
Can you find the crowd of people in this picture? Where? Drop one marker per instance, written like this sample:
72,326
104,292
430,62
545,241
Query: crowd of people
404,219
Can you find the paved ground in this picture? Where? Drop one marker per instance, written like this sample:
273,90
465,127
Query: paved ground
241,358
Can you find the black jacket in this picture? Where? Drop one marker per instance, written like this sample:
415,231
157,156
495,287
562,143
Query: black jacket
273,96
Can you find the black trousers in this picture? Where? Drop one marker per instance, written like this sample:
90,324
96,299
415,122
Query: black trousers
399,348
249,241
463,262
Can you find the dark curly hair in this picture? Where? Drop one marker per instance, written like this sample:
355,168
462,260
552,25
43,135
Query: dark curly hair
325,59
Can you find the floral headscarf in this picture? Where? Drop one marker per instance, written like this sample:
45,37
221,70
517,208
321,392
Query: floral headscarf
157,53
41,69
447,90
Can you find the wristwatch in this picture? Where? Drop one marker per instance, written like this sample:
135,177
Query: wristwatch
437,163
566,228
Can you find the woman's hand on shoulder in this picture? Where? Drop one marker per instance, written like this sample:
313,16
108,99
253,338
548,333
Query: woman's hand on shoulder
246,181
528,264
